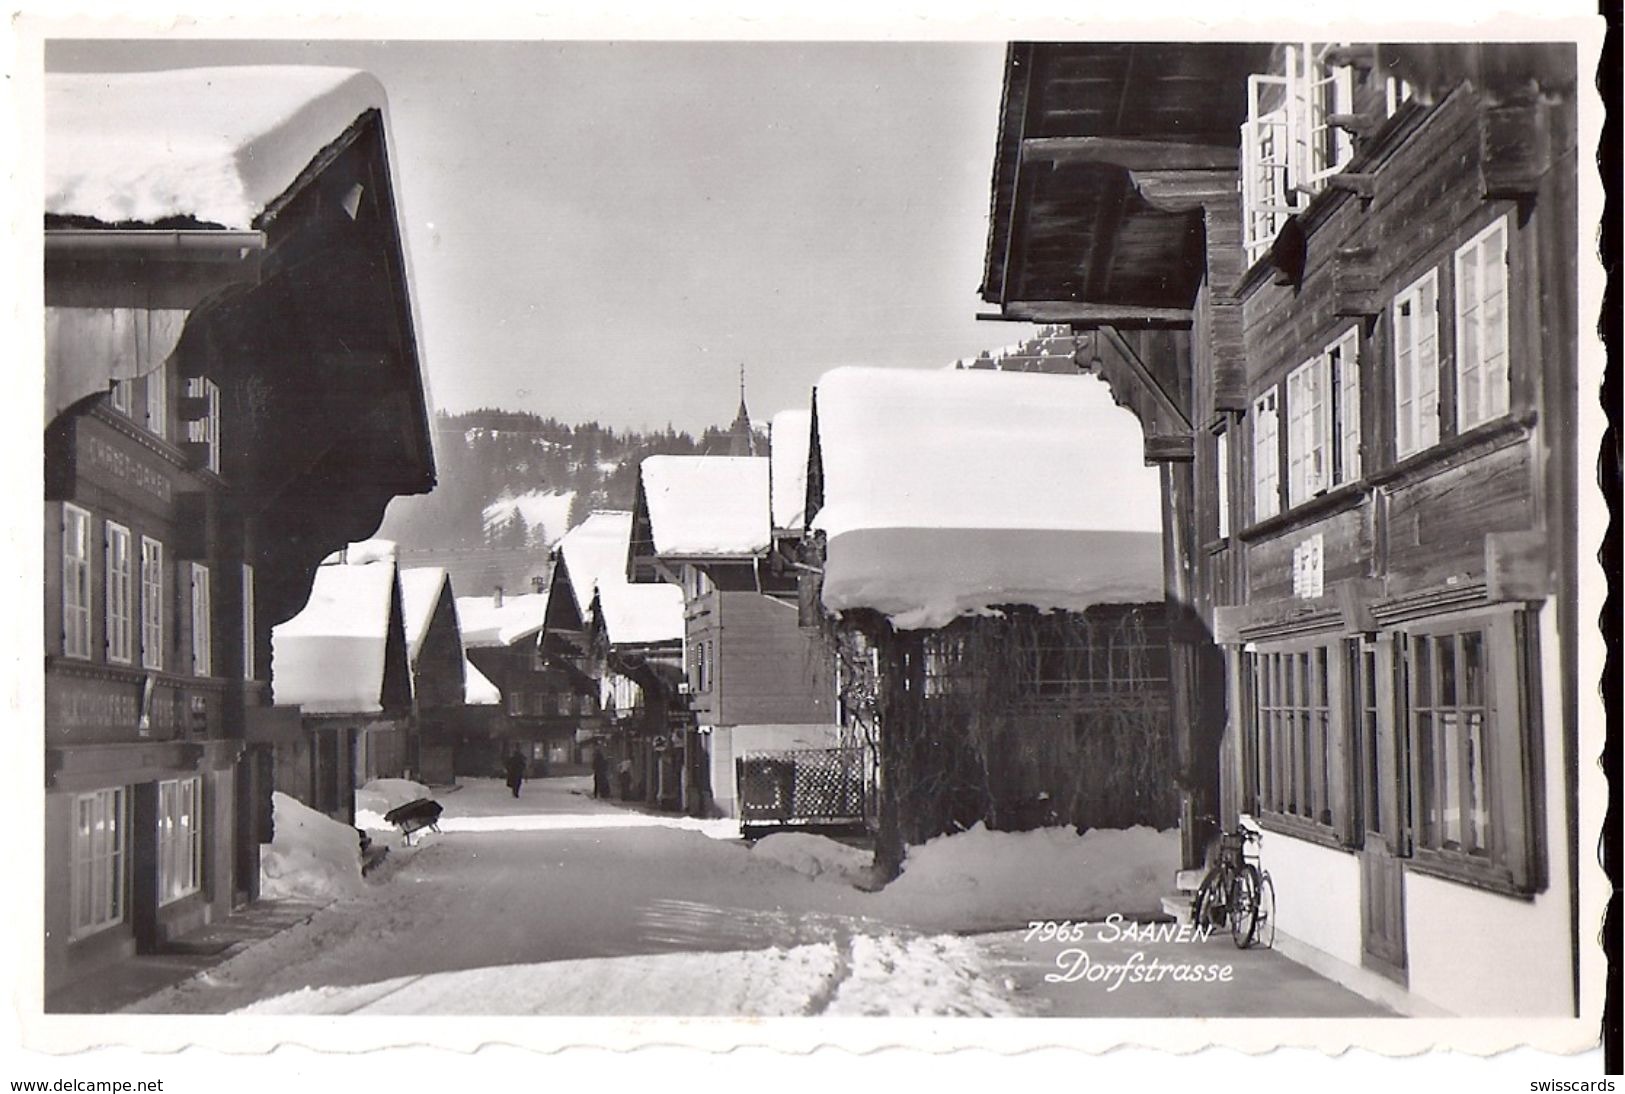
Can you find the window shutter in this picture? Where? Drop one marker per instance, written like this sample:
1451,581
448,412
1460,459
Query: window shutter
1427,362
1394,796
1515,750
1494,250
1341,735
1320,425
1266,457
1348,408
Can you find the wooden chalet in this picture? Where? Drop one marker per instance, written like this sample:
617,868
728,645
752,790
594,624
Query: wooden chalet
434,652
343,664
1336,283
703,523
985,549
233,392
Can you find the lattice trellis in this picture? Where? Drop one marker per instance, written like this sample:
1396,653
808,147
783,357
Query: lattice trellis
801,786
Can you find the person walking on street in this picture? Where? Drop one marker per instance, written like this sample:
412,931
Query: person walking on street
600,773
514,766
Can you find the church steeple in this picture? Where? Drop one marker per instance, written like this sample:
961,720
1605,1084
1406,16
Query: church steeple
742,442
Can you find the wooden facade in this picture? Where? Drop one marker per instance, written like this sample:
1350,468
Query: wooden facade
1371,522
260,402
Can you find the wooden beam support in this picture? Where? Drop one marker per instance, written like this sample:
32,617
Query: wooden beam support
1089,315
1134,155
1363,185
1168,409
1169,448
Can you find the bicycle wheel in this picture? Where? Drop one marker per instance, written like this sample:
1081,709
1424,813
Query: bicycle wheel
1264,932
1244,906
1208,906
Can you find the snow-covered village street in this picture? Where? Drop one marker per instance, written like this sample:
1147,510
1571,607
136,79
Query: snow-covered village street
555,903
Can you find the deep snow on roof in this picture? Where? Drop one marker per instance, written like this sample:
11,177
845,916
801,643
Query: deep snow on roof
955,492
594,553
215,144
707,506
789,435
641,615
329,659
483,623
420,592
478,691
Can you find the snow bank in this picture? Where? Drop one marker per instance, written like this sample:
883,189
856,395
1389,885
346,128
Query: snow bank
702,506
380,796
790,434
814,856
215,144
981,879
917,977
310,856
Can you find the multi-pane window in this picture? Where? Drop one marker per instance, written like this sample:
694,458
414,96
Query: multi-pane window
1323,420
152,603
205,429
1266,456
120,617
180,837
122,397
75,581
1449,724
158,401
1299,736
248,622
1481,327
1416,365
98,860
202,663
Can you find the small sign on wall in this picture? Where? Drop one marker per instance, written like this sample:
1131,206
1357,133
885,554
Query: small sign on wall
1309,568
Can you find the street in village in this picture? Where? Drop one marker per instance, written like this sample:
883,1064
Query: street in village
556,903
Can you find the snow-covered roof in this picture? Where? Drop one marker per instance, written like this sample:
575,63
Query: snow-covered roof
707,506
483,623
594,553
789,434
420,592
478,691
953,492
641,615
329,659
215,144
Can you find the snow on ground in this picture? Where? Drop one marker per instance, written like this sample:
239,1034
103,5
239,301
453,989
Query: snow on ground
814,856
890,975
310,856
983,879
380,796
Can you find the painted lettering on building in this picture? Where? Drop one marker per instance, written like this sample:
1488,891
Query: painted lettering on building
125,468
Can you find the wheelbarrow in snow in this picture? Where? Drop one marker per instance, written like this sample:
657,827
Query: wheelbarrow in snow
414,815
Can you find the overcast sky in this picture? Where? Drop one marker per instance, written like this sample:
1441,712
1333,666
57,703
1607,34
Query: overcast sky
603,230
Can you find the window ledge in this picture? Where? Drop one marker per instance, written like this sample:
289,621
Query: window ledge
1282,824
1216,546
1460,869
1455,451
1347,496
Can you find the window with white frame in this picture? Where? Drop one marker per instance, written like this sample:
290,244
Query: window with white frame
1221,463
1290,143
1416,365
1266,456
201,661
1481,327
152,603
98,861
206,429
1323,420
75,581
180,838
158,401
122,397
120,617
248,622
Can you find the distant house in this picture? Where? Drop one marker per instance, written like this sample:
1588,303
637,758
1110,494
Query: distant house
543,706
990,558
704,523
434,649
342,662
623,643
233,391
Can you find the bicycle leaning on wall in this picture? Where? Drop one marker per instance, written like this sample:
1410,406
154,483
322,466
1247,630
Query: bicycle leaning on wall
1236,892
